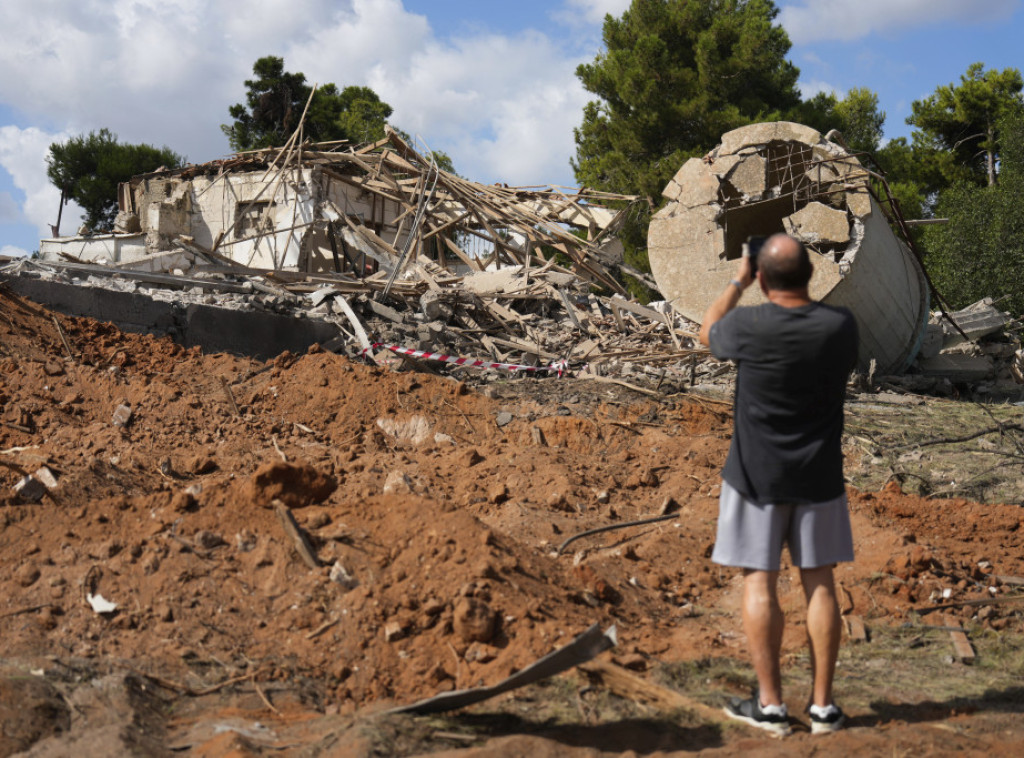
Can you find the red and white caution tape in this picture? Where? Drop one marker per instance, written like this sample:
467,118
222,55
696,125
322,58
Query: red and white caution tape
558,366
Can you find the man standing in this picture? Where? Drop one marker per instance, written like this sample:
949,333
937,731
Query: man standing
783,478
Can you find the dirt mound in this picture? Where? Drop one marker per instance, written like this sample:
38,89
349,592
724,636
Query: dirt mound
435,512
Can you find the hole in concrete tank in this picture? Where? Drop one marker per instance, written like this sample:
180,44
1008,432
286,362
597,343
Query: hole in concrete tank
762,219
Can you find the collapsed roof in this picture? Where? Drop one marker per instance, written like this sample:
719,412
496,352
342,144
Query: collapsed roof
785,177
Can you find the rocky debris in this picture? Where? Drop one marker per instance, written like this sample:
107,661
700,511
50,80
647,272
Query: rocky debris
294,485
31,709
474,620
446,588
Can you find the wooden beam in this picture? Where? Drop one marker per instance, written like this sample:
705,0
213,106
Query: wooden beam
633,687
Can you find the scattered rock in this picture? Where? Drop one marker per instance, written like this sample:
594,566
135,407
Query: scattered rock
31,709
294,485
393,630
341,576
398,482
474,621
208,540
29,489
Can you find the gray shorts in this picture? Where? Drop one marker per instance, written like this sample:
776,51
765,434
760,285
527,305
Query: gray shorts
751,536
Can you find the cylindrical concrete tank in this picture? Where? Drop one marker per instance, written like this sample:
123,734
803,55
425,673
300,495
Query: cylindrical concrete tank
784,177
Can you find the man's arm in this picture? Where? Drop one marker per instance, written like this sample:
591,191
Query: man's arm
727,300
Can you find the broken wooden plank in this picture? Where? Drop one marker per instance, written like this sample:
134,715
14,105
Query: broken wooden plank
855,628
295,533
357,326
961,645
633,687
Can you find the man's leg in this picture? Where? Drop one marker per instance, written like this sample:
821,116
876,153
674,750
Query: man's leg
823,629
763,623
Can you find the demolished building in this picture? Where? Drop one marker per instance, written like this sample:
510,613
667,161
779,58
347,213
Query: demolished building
785,177
328,208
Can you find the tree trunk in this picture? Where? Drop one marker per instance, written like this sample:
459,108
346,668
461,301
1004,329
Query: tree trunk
991,155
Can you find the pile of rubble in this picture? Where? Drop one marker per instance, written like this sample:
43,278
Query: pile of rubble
481,324
977,347
381,254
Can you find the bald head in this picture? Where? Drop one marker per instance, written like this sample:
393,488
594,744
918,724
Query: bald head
784,263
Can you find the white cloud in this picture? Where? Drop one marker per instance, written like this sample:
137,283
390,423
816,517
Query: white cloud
593,11
23,156
809,89
165,72
821,20
13,252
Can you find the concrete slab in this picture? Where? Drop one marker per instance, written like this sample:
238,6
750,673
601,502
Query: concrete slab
957,368
749,176
858,201
817,222
256,334
762,134
698,185
721,167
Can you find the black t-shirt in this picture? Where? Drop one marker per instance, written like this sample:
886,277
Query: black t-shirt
793,364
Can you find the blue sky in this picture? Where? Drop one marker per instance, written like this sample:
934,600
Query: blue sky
492,83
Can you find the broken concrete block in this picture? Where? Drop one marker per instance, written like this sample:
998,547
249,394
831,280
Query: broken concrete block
46,476
322,294
698,185
122,416
763,133
721,167
816,222
957,368
858,201
340,576
393,630
434,308
30,489
415,429
672,190
398,482
748,176
977,320
504,419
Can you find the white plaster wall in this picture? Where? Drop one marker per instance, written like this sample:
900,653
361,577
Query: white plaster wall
113,248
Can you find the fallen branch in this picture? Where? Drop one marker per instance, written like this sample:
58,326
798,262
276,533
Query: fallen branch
30,609
294,531
230,396
964,438
64,339
611,527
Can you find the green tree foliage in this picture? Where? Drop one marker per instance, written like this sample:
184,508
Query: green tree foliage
856,117
87,169
962,121
275,101
673,77
980,252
